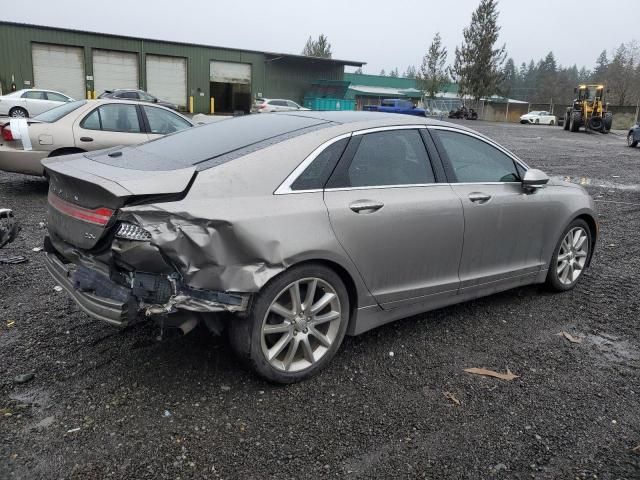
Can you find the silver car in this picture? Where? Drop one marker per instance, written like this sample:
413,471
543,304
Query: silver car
292,230
31,102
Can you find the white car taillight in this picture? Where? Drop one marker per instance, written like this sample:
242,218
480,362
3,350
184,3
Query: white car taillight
129,231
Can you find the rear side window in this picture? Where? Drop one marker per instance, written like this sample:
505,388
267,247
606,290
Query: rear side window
475,161
34,95
316,175
394,157
113,118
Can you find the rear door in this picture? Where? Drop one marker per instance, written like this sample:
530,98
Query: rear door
110,125
505,226
401,228
36,102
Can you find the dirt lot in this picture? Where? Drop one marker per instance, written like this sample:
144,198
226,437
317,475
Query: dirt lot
111,404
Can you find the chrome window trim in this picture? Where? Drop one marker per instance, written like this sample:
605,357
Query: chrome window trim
378,187
285,186
384,129
487,141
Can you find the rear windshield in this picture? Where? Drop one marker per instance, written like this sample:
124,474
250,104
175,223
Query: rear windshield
57,113
212,144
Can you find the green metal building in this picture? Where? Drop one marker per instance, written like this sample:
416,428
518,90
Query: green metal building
199,78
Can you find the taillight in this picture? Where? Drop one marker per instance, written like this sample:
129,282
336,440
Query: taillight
6,133
97,216
262,105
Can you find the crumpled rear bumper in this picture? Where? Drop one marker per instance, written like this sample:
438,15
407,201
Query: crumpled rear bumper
116,311
146,295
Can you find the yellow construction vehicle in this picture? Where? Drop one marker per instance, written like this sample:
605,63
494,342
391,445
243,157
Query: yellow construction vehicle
589,110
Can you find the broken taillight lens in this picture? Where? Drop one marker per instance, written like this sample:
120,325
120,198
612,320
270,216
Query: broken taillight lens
129,231
97,216
7,136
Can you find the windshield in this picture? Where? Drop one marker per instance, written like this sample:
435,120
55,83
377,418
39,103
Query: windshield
57,113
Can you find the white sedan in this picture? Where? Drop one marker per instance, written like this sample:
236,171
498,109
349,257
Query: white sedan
31,102
539,117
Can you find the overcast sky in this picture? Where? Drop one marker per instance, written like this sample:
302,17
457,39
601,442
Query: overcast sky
382,33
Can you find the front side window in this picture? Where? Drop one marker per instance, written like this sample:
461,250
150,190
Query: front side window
34,95
56,97
113,118
394,157
163,122
475,161
292,104
315,175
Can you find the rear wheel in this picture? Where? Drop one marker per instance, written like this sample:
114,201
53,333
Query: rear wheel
570,257
295,326
18,112
565,121
552,122
630,141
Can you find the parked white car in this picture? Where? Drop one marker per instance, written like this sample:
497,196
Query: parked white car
31,102
539,117
264,105
82,126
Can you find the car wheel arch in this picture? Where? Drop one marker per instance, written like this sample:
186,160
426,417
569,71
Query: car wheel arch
593,231
65,151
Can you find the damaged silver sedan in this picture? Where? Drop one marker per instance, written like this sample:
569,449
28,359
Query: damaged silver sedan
294,229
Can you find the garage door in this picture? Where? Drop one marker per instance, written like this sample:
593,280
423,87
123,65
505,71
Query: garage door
230,72
60,68
113,70
167,78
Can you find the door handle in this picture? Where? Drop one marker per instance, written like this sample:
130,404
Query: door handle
479,197
366,206
86,139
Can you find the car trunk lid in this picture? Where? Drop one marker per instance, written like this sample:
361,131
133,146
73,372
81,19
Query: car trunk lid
85,195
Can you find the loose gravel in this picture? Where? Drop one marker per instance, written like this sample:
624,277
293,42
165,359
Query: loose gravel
81,400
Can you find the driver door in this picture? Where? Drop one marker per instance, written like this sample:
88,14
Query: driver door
505,227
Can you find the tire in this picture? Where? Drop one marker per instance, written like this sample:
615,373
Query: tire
576,119
596,123
537,121
563,274
565,121
630,141
300,347
552,123
608,122
18,112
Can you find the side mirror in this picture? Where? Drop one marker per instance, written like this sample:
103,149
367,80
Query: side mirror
534,179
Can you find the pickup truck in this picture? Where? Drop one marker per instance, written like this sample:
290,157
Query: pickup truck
396,105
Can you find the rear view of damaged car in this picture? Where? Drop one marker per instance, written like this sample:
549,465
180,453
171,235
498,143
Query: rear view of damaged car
291,230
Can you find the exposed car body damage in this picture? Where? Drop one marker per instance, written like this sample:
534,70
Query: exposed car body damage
310,225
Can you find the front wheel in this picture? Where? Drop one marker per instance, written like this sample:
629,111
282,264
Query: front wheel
570,257
295,326
630,141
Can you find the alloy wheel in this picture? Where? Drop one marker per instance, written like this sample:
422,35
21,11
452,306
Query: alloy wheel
301,324
18,113
572,255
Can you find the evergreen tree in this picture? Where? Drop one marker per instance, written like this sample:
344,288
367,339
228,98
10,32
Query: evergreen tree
358,71
602,66
382,73
410,72
510,78
317,48
394,73
432,73
478,65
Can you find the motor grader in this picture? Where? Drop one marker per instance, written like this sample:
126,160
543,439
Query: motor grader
589,110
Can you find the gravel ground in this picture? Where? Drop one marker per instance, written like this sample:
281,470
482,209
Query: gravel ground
120,404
